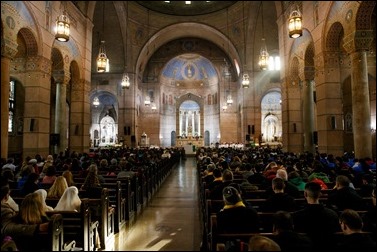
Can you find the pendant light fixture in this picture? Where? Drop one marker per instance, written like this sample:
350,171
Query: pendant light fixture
245,76
126,79
147,100
96,102
295,23
62,26
263,56
229,100
102,60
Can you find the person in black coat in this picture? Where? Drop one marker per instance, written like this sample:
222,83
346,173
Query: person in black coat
343,196
235,217
279,200
286,237
316,220
218,179
217,192
354,239
31,184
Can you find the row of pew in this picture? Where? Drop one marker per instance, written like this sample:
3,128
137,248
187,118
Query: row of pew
214,241
106,211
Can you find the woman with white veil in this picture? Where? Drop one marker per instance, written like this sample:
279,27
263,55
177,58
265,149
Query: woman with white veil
70,200
43,194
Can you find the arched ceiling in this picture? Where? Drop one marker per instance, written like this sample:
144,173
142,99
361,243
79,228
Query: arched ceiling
189,67
189,105
180,8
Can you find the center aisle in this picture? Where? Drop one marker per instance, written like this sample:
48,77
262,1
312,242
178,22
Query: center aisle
171,221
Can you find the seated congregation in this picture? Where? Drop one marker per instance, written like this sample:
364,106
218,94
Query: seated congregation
299,203
87,197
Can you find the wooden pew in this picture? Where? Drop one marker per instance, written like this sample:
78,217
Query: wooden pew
217,238
78,226
53,239
102,212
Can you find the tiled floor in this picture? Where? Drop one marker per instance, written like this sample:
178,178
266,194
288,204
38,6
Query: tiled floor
171,221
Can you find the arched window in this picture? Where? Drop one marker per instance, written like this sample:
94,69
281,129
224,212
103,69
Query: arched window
274,63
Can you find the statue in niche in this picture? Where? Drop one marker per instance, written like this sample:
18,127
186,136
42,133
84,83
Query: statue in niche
189,130
189,71
348,122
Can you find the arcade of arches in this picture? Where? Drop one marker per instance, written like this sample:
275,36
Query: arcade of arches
322,94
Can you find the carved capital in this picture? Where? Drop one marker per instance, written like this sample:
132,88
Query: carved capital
360,40
8,49
61,76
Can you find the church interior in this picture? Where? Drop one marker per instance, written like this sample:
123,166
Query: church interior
182,73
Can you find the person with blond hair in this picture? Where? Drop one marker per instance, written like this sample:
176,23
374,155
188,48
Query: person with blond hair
9,226
31,212
58,187
263,243
68,177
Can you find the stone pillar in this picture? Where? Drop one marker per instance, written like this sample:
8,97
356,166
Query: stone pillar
79,123
193,123
61,80
8,50
198,119
186,123
5,63
308,116
180,123
356,45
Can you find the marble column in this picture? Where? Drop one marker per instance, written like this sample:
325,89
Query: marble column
180,123
356,45
308,116
61,110
361,106
186,123
198,120
193,123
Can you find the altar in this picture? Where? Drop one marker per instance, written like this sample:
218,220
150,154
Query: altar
190,144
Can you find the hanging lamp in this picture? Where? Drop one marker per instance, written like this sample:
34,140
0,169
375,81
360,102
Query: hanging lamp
295,23
125,83
245,77
147,99
229,100
102,59
62,27
264,57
